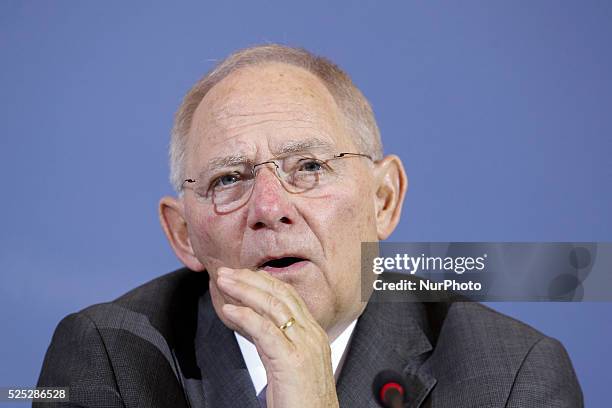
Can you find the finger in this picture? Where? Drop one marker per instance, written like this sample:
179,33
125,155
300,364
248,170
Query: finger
267,337
264,303
264,281
228,298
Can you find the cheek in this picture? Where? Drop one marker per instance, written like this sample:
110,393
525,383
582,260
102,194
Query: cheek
354,214
213,238
345,219
347,222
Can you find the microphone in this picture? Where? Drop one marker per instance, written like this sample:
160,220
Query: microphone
389,389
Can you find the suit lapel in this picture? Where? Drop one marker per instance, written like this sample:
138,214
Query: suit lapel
387,336
225,379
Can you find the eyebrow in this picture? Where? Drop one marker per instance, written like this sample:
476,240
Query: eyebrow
218,163
298,146
287,148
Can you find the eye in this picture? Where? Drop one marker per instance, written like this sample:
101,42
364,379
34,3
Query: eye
310,166
226,180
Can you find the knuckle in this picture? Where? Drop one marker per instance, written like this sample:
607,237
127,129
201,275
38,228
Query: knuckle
274,304
287,289
268,328
278,286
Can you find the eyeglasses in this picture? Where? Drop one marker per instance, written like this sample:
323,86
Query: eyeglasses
298,174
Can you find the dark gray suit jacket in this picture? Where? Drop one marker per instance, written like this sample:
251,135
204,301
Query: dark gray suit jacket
162,345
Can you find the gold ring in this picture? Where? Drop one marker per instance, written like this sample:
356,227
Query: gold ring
288,324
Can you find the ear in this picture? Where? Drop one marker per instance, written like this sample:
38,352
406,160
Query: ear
174,224
391,187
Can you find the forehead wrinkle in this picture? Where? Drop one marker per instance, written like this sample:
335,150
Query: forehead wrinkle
262,122
241,110
230,107
226,113
314,129
198,136
229,115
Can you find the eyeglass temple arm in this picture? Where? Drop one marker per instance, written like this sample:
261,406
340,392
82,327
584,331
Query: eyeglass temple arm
190,181
353,154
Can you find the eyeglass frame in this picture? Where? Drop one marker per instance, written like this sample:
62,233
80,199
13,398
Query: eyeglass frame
277,168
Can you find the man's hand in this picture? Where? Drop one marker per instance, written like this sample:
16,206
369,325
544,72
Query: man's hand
298,358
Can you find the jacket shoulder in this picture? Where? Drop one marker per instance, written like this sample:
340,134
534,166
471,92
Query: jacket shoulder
157,299
484,357
479,341
77,358
481,319
124,347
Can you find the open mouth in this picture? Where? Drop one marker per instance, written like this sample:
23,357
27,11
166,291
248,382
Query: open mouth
281,263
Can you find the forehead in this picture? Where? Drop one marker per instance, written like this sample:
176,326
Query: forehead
262,108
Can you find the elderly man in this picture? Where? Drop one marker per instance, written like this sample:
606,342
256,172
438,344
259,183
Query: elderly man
278,165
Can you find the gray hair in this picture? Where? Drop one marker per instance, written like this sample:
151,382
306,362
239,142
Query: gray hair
356,110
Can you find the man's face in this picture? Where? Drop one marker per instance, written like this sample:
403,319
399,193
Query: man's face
260,112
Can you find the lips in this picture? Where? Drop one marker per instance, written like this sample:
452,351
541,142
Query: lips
283,264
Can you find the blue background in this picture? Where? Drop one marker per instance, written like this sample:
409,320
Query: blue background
501,111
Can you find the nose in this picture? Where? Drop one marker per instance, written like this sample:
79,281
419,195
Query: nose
269,205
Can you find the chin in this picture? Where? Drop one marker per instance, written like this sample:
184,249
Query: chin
323,311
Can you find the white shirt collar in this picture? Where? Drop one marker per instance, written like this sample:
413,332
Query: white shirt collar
258,372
